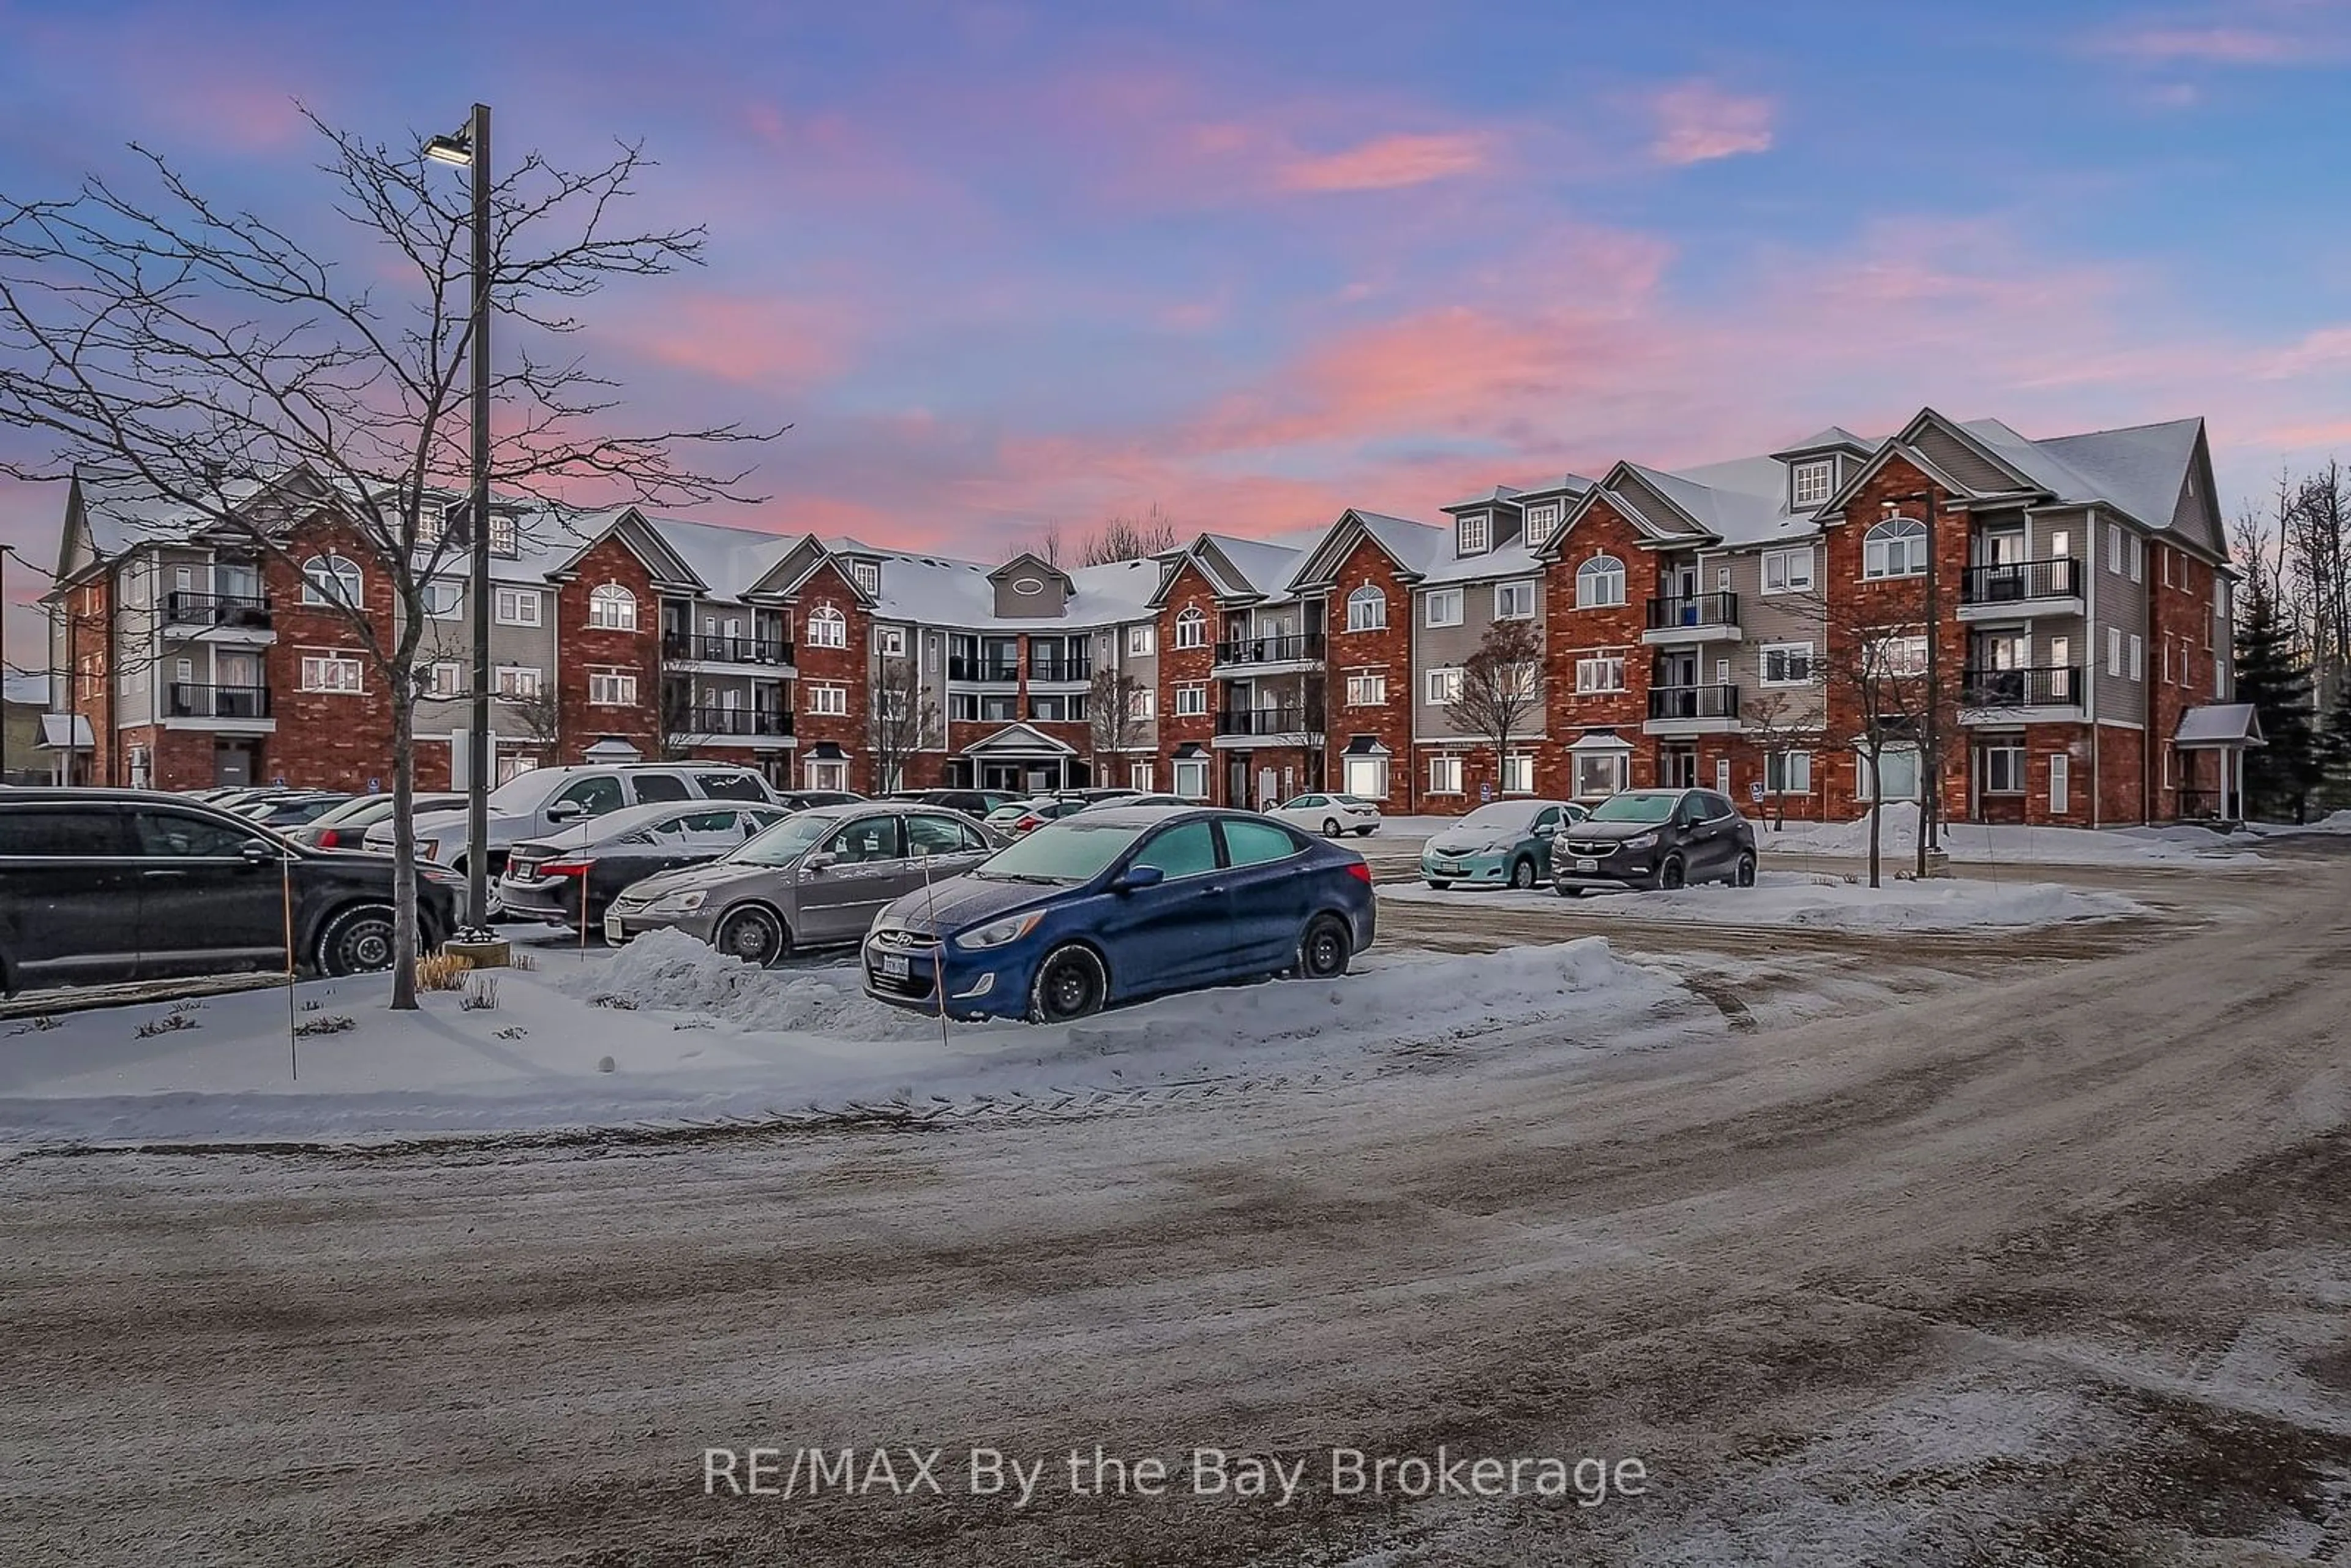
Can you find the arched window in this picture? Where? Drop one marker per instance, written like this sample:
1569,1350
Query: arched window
1367,610
612,608
827,628
1599,582
1192,628
332,580
1895,548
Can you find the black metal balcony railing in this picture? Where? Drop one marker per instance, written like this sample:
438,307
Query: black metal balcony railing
1270,721
250,612
736,721
186,699
1062,670
986,670
1284,650
1694,610
2044,685
718,649
2013,582
1693,702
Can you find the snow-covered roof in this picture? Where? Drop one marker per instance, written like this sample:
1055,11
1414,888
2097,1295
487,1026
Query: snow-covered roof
727,560
2220,724
25,688
2140,469
54,731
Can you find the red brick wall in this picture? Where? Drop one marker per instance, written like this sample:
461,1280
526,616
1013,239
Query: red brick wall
1573,632
176,759
2179,668
335,740
90,648
846,667
1390,647
2122,761
587,648
1185,666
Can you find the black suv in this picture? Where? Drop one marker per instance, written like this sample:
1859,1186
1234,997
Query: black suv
1652,839
974,803
130,884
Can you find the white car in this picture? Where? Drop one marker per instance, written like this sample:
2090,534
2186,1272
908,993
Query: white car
1330,815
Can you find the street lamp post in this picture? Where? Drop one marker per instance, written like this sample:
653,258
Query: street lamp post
470,149
5,551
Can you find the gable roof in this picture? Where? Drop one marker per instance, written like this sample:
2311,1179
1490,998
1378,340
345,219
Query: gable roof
1034,563
1412,545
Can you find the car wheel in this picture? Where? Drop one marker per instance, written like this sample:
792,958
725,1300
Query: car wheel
1363,832
752,935
1567,892
1669,876
1324,949
1744,875
1522,875
1069,983
1440,887
1330,828
358,940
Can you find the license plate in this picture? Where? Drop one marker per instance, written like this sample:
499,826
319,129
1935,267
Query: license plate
1587,865
894,966
524,870
612,929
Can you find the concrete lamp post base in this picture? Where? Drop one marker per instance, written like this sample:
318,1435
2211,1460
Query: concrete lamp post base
480,952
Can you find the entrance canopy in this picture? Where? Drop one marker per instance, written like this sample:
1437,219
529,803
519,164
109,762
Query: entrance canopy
2228,729
1019,740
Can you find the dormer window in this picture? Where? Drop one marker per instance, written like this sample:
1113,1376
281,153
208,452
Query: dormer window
1815,481
1473,534
432,523
867,574
1541,521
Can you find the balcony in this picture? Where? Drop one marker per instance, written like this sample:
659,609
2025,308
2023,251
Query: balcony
751,723
2051,587
1692,710
984,672
215,611
1281,725
211,704
1263,656
2015,696
1060,672
1693,618
686,647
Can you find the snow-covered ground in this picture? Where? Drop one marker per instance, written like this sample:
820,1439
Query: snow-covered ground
667,1030
1987,843
1797,898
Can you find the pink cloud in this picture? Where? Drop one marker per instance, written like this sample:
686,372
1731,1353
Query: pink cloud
1698,122
2210,46
1388,162
2326,348
743,340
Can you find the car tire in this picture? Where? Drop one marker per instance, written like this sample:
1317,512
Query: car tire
1567,892
1324,948
1522,875
1670,875
357,941
752,933
1439,886
1329,828
1069,984
1363,832
1743,874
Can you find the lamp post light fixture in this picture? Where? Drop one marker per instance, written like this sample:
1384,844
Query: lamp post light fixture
470,149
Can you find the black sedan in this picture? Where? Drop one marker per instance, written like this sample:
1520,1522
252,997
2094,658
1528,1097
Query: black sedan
604,855
101,886
1654,839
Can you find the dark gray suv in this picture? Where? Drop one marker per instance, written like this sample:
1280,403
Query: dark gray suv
1653,839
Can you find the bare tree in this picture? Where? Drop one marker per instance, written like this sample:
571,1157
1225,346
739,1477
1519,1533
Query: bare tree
901,719
1047,544
1781,723
174,350
1879,669
681,721
1502,687
1112,724
1123,538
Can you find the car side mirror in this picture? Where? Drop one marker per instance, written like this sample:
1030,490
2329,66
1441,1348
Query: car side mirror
1135,878
816,861
253,851
566,811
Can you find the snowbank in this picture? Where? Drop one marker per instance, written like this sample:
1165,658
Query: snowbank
1782,899
1999,843
666,1031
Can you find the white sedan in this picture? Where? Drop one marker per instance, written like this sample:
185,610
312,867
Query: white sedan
1330,815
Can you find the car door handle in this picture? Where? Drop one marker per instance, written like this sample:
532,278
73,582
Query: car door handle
163,872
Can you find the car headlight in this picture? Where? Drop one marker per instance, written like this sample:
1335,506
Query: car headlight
1641,842
426,849
685,903
998,933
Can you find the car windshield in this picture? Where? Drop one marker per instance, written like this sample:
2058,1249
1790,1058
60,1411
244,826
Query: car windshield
359,811
526,790
1634,807
1066,852
783,843
1500,814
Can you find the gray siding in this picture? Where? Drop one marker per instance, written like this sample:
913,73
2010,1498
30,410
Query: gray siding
1048,601
2117,604
1958,460
1441,647
1770,619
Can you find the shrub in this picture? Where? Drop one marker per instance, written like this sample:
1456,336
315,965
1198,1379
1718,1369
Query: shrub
442,972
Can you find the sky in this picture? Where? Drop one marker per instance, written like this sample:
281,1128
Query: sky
999,265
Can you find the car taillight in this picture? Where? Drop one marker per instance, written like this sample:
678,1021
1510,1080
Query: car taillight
1362,872
329,838
1027,824
565,867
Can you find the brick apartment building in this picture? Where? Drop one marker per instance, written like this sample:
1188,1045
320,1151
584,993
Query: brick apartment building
1699,626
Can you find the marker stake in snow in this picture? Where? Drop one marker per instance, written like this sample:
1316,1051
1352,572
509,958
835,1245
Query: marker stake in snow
939,950
286,896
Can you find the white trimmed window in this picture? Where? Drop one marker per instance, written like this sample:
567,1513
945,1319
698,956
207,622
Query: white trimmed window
1191,701
1138,775
2138,558
1367,688
1600,774
2137,658
2115,549
1813,481
1191,777
506,536
867,575
1442,607
1142,703
1142,641
444,679
890,642
1541,521
432,523
828,698
1514,600
612,688
443,600
2004,769
1367,777
518,607
1519,774
1897,656
1367,610
612,608
1899,766
1895,548
1192,628
1788,571
2114,652
1473,533
1787,664
1445,774
518,681
1788,773
827,628
332,580
1602,673
1600,583
332,672
1443,686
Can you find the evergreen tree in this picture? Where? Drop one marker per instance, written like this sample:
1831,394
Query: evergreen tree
2335,744
2273,677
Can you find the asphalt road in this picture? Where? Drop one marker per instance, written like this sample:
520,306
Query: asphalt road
1980,1257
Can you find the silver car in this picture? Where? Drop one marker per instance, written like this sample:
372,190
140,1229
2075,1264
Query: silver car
816,879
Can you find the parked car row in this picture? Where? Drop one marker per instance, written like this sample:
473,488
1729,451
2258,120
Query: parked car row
1638,839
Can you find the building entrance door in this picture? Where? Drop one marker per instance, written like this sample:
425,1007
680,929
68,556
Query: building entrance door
1678,768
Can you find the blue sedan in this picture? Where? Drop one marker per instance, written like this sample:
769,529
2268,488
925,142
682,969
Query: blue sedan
1118,902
